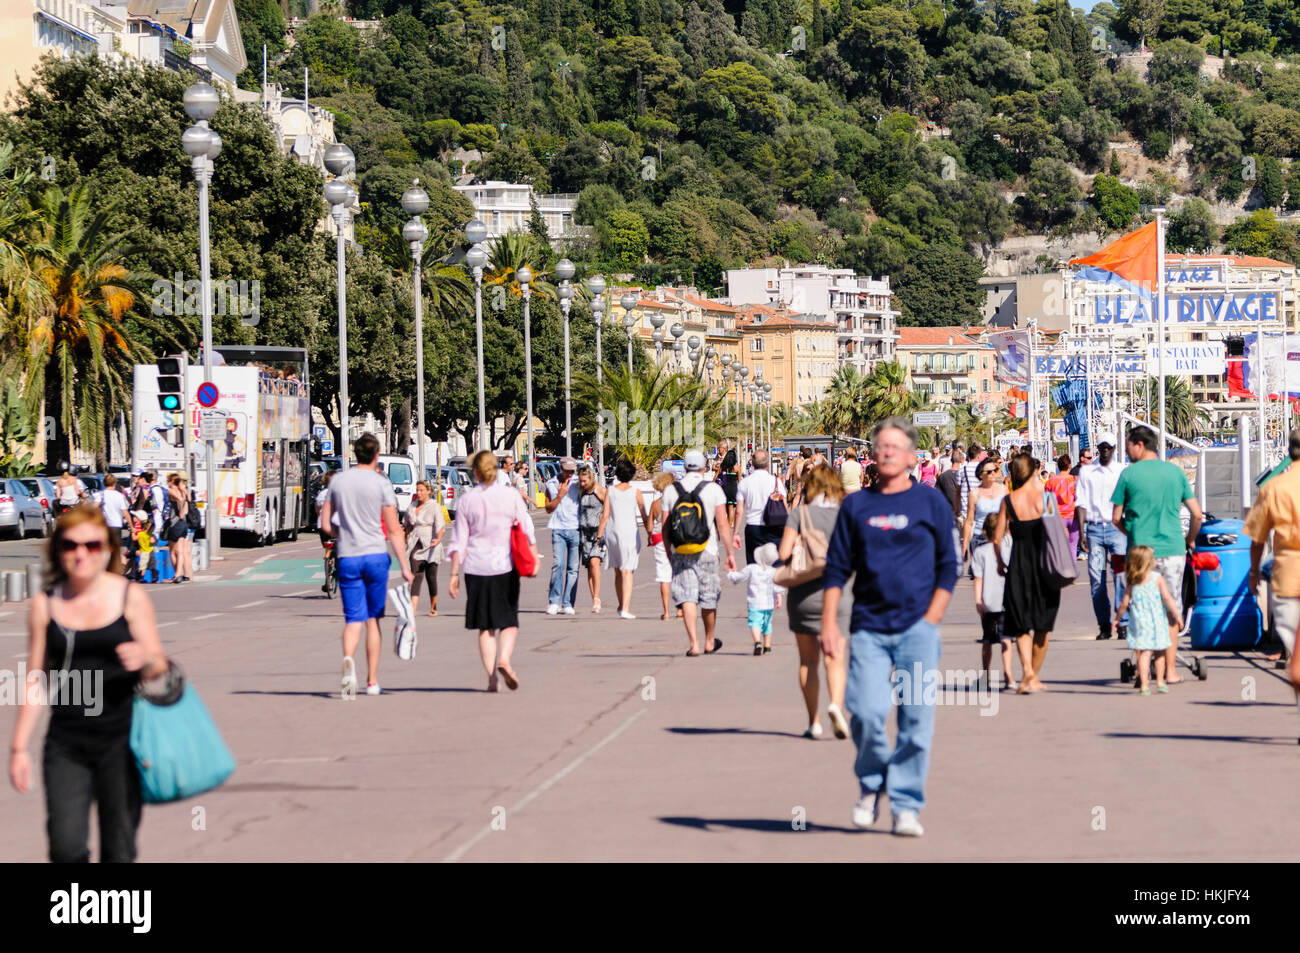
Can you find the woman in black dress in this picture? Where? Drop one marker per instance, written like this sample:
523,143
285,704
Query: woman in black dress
1031,601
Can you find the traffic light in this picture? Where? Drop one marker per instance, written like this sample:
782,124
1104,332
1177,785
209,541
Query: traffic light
171,384
171,397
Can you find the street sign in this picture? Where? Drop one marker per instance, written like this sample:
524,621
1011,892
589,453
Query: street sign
212,425
320,432
327,448
208,395
932,418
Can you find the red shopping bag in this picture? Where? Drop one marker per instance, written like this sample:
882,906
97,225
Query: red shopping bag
521,551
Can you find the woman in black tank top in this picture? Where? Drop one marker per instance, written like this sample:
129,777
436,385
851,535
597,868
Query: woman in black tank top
91,638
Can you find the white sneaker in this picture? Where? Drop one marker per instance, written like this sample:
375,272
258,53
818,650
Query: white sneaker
569,610
372,689
349,684
814,730
864,812
552,609
626,615
838,724
906,824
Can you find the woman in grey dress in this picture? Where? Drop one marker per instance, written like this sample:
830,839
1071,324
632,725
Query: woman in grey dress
821,492
593,514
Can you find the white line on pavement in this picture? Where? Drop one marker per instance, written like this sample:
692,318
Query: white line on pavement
3,614
300,592
210,615
163,625
245,571
249,605
541,789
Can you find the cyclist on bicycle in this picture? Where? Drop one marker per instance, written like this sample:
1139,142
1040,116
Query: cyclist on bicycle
326,540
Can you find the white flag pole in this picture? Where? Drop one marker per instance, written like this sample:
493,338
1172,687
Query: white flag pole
1160,305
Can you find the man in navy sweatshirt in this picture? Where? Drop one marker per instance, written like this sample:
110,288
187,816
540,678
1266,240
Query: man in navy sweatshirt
899,539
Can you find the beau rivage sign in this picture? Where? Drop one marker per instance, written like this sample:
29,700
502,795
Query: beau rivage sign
1200,294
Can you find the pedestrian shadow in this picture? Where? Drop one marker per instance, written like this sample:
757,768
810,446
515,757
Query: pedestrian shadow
734,731
1245,704
1240,739
630,655
763,825
335,694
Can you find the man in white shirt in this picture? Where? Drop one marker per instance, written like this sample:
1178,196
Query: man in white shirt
696,583
114,505
751,498
944,461
1099,538
562,503
969,478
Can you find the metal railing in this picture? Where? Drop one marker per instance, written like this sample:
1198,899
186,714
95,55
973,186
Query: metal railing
1201,489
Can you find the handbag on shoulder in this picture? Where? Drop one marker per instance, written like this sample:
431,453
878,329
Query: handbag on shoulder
1057,558
808,557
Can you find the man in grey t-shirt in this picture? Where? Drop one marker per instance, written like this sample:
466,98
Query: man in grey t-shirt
366,506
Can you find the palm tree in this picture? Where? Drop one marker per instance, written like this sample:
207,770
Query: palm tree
21,291
656,414
888,392
507,253
79,353
846,396
1185,418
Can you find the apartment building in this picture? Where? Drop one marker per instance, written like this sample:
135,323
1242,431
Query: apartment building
950,366
196,36
796,352
866,323
506,207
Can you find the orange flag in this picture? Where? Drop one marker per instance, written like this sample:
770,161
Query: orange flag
1132,258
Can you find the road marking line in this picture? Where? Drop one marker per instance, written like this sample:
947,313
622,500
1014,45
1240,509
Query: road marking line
245,571
300,592
265,577
542,788
249,605
163,625
210,615
324,760
261,559
3,614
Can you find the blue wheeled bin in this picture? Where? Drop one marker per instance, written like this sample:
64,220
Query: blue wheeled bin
1226,617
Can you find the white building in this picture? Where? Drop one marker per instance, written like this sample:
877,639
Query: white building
506,207
862,307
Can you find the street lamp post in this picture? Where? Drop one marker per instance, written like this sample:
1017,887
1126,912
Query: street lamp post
693,342
677,331
340,162
657,321
596,285
726,385
414,203
743,371
476,258
203,145
524,276
628,301
767,407
564,270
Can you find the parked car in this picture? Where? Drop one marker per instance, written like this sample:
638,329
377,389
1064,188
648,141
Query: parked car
451,484
401,473
21,513
42,489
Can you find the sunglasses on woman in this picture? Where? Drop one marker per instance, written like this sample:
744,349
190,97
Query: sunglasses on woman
72,545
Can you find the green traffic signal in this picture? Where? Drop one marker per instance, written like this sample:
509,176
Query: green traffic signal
169,401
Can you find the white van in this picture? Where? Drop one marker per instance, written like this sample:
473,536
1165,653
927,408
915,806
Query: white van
401,473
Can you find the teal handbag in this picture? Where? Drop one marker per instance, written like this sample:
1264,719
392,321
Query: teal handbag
176,744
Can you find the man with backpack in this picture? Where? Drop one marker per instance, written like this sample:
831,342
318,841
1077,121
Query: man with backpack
695,525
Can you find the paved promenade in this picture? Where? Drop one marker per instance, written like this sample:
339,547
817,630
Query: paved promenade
618,747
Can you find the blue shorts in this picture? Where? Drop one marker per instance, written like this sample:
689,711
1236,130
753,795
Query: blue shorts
363,584
760,619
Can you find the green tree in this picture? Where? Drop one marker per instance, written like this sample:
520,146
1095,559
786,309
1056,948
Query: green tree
1269,182
939,287
1192,227
888,392
1253,234
628,238
1115,202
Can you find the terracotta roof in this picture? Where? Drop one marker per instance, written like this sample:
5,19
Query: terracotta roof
662,305
935,337
710,305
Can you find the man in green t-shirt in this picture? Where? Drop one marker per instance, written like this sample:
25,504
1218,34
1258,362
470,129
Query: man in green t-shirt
1148,499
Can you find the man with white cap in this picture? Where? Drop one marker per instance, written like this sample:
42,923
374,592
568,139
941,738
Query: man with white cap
696,582
1099,537
562,496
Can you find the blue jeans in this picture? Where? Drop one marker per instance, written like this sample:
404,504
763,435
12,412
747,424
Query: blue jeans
1104,540
564,567
903,664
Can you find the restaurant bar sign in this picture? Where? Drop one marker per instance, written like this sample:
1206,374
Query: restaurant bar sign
1189,307
1197,358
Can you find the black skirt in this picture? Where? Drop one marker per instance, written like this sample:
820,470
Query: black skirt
492,602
